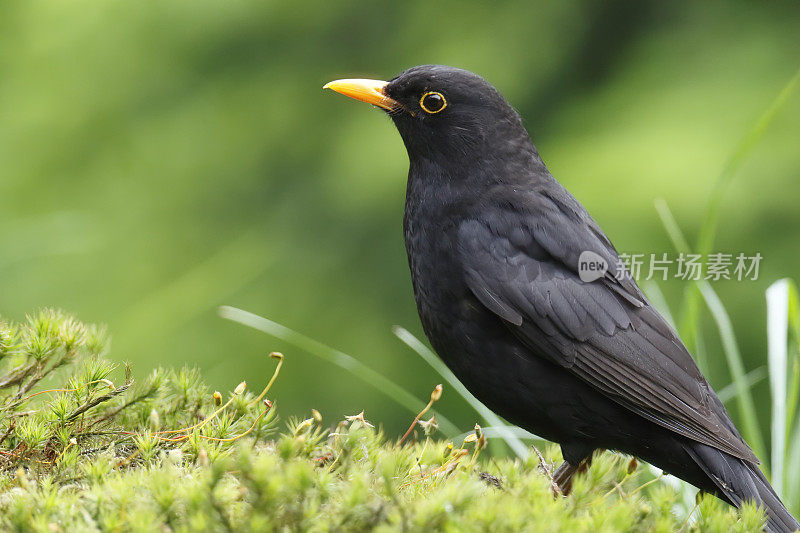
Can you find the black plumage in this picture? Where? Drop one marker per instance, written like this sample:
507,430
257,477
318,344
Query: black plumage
493,244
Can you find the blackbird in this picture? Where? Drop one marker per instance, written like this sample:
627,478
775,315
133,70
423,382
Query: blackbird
526,300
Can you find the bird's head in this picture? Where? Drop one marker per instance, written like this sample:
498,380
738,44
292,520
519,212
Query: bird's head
442,113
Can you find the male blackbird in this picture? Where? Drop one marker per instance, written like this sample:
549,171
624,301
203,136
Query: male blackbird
497,248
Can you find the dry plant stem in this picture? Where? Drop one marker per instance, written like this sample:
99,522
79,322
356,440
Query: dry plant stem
547,471
279,357
128,459
18,375
20,401
419,457
11,426
66,390
617,486
42,370
688,516
15,456
475,453
67,447
646,484
414,423
435,395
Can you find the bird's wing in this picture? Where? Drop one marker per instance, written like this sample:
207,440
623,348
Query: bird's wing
524,268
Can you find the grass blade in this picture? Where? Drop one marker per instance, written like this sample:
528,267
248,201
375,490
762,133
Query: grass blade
688,326
793,395
340,359
690,310
792,482
729,391
740,153
502,432
506,432
736,366
778,354
730,346
653,292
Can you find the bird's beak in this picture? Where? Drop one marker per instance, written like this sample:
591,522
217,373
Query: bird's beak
370,91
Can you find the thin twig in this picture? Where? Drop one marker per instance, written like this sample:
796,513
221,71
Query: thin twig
435,395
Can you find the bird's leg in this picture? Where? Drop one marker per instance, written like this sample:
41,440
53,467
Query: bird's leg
585,464
563,477
577,459
564,474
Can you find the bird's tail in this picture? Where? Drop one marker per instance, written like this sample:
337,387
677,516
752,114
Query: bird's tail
739,481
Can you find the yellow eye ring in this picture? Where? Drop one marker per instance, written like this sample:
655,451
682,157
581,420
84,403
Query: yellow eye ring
432,102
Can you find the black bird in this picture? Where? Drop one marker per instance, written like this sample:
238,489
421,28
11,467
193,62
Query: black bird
494,244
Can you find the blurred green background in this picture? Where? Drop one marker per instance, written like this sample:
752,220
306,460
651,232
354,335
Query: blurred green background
161,158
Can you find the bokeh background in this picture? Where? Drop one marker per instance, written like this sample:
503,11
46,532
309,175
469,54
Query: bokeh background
161,158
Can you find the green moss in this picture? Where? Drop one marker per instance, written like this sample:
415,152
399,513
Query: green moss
84,448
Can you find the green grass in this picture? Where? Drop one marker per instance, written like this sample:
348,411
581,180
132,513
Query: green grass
782,320
85,448
783,335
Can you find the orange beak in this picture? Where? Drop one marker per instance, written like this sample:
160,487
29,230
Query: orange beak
369,91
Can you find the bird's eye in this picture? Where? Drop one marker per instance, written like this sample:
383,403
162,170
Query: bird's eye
432,102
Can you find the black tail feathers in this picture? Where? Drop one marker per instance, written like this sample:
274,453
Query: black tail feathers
739,481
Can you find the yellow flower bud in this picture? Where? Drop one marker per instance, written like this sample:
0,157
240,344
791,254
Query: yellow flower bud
437,393
303,426
448,450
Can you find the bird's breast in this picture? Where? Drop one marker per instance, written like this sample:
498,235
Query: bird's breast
444,301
